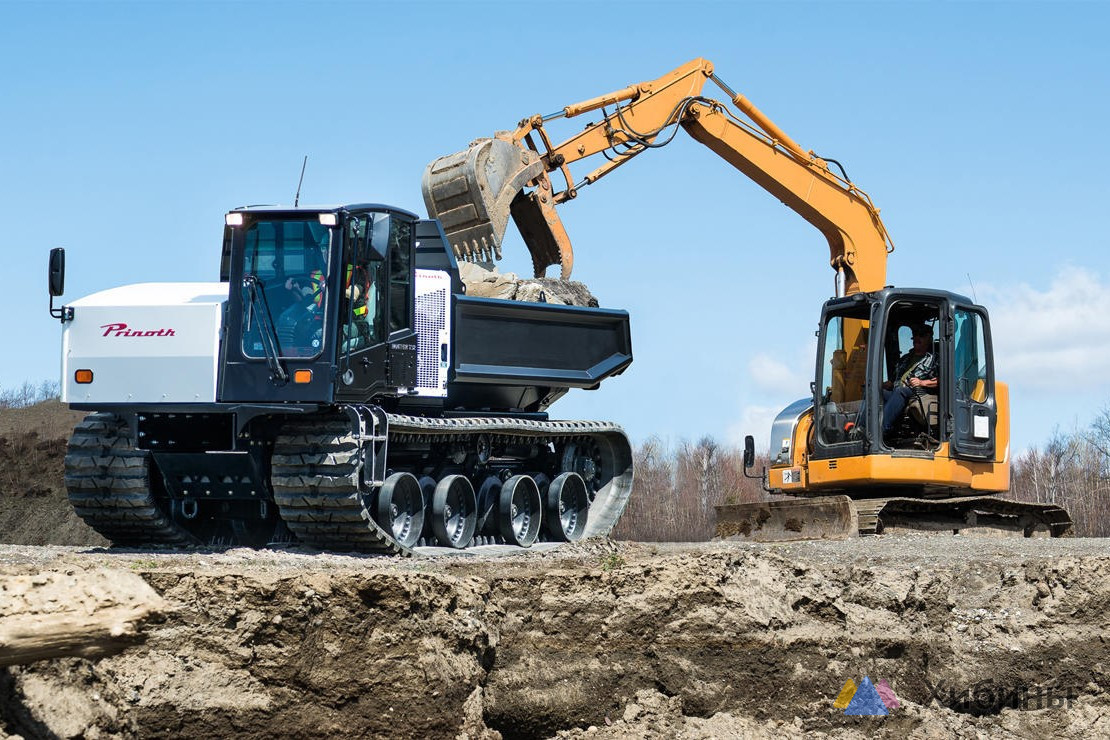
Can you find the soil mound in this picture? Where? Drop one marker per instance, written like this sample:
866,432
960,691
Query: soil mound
34,509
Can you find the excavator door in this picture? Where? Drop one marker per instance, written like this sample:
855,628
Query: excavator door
972,370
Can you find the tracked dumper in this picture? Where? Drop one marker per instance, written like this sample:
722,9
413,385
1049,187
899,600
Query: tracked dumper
337,388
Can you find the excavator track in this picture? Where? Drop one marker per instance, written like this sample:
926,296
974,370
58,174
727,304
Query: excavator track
108,481
325,503
960,512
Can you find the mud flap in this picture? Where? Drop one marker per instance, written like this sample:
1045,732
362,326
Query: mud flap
822,518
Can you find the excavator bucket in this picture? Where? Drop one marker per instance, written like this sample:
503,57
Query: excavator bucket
822,518
471,193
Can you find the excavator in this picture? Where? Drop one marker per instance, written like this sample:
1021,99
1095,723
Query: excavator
837,466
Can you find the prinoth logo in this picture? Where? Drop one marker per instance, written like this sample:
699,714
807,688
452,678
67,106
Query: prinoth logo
123,330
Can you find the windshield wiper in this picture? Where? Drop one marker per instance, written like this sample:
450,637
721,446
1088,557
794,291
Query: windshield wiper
258,305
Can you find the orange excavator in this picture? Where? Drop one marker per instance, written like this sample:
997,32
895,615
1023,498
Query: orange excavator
868,449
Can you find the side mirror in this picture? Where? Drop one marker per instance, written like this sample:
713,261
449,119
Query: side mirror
749,451
57,272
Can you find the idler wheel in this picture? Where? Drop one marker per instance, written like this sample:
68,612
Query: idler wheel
454,512
586,459
400,508
566,508
519,511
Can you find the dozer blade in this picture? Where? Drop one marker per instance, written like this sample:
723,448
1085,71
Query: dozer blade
822,518
471,193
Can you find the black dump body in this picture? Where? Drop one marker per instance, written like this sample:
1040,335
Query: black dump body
513,356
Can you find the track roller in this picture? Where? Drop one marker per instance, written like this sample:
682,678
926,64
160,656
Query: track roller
454,512
400,508
566,508
519,511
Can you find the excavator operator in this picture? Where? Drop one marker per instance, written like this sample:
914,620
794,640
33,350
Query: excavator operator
915,373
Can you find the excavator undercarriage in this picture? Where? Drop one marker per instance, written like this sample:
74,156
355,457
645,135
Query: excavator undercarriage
841,517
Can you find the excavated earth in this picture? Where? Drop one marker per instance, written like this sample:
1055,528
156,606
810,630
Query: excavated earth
976,637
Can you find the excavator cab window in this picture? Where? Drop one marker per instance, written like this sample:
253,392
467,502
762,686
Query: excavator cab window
841,379
912,350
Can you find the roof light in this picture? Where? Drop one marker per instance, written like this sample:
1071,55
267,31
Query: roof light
329,219
233,219
83,376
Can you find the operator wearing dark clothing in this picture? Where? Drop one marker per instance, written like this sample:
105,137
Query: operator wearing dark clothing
915,373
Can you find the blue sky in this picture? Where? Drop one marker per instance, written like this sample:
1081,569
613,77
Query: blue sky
977,128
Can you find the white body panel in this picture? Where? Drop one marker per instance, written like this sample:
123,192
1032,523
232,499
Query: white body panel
433,330
145,343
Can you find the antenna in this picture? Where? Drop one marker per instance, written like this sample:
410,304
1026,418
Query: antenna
297,197
973,296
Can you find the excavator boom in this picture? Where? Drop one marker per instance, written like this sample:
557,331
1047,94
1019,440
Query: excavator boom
474,192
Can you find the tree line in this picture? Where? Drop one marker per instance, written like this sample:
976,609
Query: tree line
1071,470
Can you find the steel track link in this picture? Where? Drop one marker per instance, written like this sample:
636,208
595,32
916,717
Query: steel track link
108,483
318,484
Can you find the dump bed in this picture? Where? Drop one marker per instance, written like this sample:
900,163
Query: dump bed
510,355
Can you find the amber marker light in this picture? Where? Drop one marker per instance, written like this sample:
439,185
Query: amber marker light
83,376
300,376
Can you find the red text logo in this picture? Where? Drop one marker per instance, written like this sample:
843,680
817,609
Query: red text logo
122,330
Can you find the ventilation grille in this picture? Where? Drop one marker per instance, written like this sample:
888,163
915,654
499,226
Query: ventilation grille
429,327
433,298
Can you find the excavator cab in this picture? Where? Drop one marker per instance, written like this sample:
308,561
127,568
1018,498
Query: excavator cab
943,449
869,347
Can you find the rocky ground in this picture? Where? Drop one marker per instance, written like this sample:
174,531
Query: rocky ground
977,637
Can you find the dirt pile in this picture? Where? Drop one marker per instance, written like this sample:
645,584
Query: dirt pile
491,283
975,637
34,509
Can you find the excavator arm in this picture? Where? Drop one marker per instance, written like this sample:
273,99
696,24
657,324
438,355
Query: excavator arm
474,192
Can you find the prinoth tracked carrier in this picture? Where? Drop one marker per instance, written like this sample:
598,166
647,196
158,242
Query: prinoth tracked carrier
338,388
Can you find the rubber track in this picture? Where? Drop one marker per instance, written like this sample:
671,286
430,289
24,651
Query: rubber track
315,476
316,466
108,482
